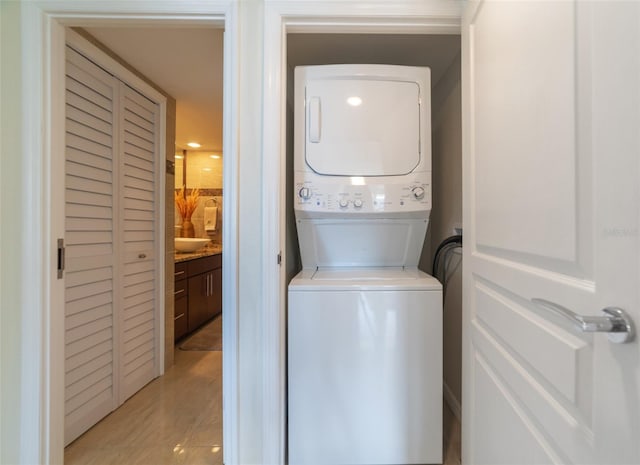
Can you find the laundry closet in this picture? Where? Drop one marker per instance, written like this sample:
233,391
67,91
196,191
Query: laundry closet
441,53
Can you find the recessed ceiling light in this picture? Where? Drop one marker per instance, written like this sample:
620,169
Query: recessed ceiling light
179,157
194,145
354,101
214,156
206,169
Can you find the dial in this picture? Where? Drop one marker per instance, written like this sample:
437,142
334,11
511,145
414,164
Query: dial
418,193
304,193
343,203
357,203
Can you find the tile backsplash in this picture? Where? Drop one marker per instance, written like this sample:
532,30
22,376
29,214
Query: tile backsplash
202,170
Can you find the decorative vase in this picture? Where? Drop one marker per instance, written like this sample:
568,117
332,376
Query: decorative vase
187,229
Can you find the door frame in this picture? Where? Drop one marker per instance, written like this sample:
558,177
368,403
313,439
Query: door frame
42,360
379,17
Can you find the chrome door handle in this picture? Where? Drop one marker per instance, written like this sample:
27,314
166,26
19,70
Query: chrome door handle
615,321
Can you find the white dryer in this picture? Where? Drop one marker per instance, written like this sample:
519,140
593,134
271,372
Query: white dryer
364,324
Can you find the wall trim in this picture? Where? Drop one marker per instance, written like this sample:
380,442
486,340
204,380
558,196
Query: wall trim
42,418
281,17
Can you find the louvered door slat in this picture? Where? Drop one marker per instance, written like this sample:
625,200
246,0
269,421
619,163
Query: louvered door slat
81,318
88,159
140,122
133,123
83,117
89,321
140,309
86,146
77,200
141,106
86,94
87,171
136,278
77,69
138,158
94,352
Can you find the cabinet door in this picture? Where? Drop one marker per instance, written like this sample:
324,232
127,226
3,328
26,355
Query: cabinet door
198,300
217,291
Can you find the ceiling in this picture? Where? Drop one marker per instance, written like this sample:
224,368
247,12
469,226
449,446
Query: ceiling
187,64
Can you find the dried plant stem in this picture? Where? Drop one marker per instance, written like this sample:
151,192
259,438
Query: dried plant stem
186,205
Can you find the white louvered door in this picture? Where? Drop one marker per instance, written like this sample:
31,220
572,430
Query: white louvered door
111,330
138,122
91,251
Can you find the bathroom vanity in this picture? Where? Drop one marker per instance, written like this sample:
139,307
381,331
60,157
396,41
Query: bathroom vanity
198,289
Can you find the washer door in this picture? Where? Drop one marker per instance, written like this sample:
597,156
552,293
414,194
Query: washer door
362,127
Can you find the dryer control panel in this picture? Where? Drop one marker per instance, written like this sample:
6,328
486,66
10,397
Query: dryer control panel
364,195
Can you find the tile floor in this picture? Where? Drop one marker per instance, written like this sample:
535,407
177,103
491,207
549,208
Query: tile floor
177,419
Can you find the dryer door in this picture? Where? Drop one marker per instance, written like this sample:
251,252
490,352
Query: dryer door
362,127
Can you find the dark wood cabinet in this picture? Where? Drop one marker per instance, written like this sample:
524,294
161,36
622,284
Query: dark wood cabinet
201,286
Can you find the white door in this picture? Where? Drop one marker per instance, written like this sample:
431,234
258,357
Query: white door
111,205
91,248
552,204
138,122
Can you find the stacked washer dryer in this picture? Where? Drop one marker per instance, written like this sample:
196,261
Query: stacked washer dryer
364,324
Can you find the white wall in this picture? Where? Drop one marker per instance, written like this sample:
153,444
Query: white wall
10,227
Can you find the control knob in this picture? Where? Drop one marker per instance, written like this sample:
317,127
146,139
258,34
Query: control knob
418,193
343,203
304,193
357,203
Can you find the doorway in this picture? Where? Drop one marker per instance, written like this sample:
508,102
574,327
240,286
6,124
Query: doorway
193,113
315,18
48,383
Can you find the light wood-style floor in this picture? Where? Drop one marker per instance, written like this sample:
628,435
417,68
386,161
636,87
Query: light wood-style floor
177,419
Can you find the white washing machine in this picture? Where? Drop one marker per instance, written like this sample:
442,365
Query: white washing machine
364,324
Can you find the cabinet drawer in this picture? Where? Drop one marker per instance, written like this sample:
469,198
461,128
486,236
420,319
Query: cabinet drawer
180,288
180,271
204,264
181,318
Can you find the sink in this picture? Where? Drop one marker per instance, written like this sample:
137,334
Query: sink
189,244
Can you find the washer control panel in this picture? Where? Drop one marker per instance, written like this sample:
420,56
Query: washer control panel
363,195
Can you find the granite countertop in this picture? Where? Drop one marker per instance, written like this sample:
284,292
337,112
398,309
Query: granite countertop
204,252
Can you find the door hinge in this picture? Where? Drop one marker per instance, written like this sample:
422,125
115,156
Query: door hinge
279,258
60,258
